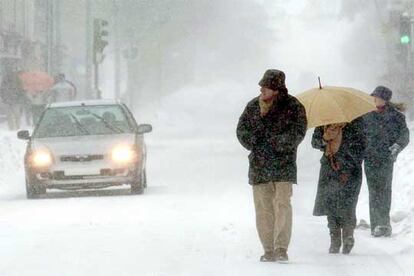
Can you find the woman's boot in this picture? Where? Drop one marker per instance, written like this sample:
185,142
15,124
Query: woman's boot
347,239
335,240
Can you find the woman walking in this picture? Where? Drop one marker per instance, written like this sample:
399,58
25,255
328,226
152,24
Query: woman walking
340,179
387,134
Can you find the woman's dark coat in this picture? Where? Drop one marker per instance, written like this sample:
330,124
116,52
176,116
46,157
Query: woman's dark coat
383,129
338,191
273,139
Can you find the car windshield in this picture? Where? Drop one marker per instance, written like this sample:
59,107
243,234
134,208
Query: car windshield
83,120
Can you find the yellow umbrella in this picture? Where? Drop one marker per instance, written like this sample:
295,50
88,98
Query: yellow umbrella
330,105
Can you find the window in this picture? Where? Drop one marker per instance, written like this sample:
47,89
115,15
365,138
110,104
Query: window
83,120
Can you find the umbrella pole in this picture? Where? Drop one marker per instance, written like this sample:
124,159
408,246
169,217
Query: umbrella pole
320,85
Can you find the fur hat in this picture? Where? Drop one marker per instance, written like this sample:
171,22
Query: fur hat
273,79
382,92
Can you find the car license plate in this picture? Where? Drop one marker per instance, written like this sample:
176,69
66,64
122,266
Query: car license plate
82,171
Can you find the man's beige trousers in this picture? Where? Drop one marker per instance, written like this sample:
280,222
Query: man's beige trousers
273,214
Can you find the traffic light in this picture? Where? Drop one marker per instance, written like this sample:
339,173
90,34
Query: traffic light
100,35
405,30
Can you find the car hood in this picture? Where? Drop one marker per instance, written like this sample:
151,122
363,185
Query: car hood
91,144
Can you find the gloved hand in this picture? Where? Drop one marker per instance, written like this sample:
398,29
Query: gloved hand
394,151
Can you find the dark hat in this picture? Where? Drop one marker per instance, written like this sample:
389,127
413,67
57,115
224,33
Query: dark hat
382,92
273,79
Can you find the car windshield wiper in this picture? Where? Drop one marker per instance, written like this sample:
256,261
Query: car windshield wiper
108,124
79,125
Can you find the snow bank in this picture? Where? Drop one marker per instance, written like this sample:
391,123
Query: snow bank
402,213
11,160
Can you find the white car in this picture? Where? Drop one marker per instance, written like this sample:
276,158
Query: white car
85,145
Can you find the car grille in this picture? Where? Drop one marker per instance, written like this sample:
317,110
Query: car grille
81,158
61,176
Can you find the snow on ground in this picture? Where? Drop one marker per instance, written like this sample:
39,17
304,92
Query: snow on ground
196,218
403,192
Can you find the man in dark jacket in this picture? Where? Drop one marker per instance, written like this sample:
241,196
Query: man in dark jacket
387,134
271,128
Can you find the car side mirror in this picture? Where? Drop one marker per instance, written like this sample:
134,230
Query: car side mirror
144,128
23,135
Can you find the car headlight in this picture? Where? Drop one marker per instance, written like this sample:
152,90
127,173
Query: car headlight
124,154
41,158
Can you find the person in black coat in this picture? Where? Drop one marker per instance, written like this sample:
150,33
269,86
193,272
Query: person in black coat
387,134
271,128
340,179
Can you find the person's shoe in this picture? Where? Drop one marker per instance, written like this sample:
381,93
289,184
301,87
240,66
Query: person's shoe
363,224
268,257
387,231
382,230
281,255
335,241
378,231
347,239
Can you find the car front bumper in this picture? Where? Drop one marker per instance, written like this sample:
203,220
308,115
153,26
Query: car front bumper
106,178
88,183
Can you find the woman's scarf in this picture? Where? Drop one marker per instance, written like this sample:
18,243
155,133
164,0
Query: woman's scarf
332,134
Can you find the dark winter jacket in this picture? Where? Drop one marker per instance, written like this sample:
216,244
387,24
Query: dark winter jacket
383,129
11,91
338,190
273,139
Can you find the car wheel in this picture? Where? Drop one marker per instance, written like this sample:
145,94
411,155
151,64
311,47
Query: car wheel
138,186
34,190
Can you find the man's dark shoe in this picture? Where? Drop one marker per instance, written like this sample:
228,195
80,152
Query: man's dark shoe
268,257
347,239
281,255
335,241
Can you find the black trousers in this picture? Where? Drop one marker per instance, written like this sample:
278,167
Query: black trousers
379,180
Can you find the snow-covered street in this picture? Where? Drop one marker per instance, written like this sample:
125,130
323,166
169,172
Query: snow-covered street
196,218
184,79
